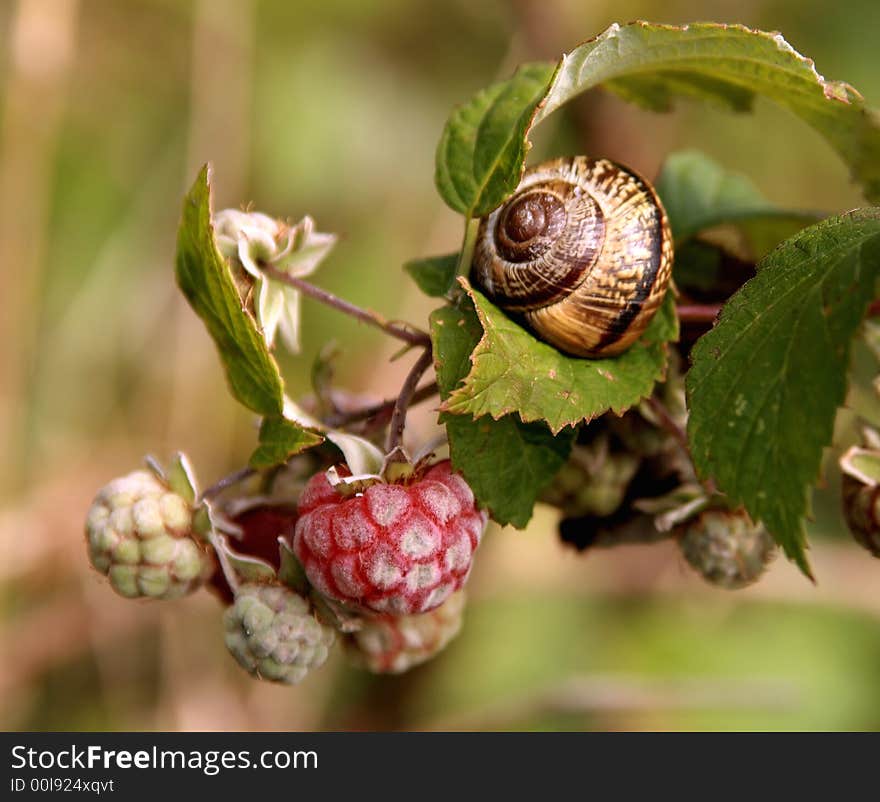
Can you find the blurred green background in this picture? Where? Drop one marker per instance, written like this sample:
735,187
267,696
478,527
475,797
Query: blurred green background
333,108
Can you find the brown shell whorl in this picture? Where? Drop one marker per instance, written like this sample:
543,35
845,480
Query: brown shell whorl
539,245
529,224
582,250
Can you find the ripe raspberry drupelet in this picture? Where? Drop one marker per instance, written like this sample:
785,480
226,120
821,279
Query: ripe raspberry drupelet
397,548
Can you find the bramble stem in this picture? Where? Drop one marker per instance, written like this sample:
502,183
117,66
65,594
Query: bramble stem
402,331
677,432
398,416
383,408
706,313
227,481
698,313
668,422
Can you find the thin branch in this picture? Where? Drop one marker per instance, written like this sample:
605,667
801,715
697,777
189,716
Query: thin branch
227,481
668,422
398,416
678,433
402,331
698,313
382,409
707,313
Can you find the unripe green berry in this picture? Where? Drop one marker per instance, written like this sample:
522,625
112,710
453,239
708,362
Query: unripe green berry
274,635
726,548
139,534
593,482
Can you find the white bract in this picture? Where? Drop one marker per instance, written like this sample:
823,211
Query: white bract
256,239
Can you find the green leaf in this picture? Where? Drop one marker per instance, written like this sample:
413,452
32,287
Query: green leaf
698,193
182,478
507,463
652,65
483,146
455,332
766,381
727,65
763,233
204,278
280,439
514,372
698,266
435,275
291,572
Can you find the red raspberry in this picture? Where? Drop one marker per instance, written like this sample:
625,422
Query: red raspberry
398,548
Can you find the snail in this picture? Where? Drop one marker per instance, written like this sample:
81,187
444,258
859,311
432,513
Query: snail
582,250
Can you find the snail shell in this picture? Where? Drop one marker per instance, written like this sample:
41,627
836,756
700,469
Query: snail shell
582,250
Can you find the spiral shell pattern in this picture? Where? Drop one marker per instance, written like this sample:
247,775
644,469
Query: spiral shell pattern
582,250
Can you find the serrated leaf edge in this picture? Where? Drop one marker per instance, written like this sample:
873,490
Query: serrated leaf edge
459,393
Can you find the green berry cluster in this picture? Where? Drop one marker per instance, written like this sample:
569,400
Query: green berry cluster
274,635
140,535
153,537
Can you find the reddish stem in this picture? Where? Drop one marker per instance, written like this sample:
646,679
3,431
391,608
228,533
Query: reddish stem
698,313
402,331
227,481
668,422
398,417
678,433
383,409
706,313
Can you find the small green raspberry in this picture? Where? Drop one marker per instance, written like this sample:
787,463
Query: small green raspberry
726,548
389,645
138,534
596,487
274,635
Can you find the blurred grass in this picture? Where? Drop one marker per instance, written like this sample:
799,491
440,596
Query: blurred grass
333,108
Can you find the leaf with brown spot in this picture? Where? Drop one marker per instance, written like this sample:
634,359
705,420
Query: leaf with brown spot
506,462
484,144
508,357
766,382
